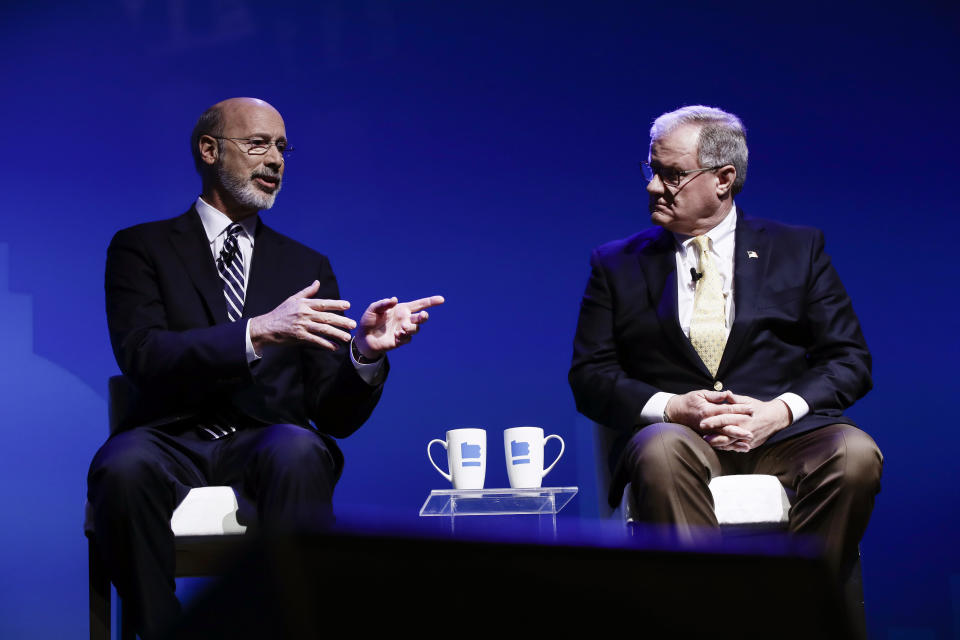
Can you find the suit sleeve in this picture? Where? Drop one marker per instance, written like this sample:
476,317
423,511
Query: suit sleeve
338,400
601,388
147,349
839,370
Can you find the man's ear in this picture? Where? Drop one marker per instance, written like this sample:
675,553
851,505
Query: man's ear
725,178
209,149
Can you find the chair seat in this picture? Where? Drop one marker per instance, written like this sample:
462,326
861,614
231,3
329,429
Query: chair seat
749,499
206,511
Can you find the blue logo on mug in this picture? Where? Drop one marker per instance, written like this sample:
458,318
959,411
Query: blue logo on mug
469,451
520,449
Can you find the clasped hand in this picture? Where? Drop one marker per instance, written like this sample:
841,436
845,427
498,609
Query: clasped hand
385,325
727,421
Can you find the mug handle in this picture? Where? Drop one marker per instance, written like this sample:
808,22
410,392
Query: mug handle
557,459
444,443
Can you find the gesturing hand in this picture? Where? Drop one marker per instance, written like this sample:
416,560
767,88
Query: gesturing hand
763,420
388,324
695,407
301,318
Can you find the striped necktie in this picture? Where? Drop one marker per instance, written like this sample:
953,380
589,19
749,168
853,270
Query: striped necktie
230,266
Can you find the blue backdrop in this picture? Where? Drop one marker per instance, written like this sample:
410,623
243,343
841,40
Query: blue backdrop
478,150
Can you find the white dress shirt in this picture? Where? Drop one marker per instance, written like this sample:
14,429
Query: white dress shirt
215,224
722,250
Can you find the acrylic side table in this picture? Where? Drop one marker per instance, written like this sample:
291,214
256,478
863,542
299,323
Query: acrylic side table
544,503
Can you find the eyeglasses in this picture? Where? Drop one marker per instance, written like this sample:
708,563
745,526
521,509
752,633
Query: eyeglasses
259,146
670,177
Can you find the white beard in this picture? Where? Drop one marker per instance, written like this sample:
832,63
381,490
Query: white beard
244,191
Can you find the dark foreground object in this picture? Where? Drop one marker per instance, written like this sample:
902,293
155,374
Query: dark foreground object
308,587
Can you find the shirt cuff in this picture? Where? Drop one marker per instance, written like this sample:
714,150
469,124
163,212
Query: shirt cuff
653,410
369,373
252,355
798,406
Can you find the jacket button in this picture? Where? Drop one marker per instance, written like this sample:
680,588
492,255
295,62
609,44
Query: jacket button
718,386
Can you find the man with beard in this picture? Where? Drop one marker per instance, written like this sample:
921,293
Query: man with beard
719,343
244,369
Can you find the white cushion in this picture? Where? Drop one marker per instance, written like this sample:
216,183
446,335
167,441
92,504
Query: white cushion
207,511
749,499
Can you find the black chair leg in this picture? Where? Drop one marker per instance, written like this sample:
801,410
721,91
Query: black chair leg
99,595
125,623
853,590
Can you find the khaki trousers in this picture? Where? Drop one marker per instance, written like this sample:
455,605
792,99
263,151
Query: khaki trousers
834,471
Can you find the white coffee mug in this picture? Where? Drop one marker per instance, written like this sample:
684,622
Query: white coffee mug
466,457
523,448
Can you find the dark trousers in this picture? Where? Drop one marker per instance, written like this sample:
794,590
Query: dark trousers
138,478
834,472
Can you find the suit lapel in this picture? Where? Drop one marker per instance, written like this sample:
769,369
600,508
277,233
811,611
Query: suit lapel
659,263
190,242
748,277
266,271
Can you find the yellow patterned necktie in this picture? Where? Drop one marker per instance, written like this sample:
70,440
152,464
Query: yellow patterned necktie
708,325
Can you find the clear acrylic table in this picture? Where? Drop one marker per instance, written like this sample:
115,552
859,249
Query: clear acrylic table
544,503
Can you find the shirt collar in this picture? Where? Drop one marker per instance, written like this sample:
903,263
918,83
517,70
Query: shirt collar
724,229
215,222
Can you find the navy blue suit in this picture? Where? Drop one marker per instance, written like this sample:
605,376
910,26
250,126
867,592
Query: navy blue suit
794,331
170,333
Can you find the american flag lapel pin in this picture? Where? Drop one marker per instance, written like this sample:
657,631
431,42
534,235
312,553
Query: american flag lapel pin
752,254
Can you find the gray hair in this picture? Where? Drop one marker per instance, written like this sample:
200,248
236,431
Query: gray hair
722,139
211,122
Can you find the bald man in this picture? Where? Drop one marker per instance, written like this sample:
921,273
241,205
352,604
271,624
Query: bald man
244,367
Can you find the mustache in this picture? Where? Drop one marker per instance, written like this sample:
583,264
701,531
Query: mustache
266,174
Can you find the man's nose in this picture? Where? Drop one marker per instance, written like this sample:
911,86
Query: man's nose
655,186
273,158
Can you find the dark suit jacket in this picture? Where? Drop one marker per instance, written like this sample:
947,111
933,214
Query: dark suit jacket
171,336
795,330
